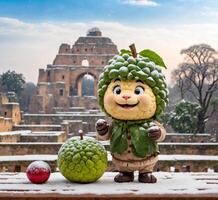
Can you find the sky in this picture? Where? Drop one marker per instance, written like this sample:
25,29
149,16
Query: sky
31,31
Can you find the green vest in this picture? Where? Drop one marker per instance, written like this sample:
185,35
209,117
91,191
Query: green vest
142,145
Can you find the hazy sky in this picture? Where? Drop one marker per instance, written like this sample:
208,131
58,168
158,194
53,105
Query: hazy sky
31,31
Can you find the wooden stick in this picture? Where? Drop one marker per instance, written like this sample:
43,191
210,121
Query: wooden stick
133,50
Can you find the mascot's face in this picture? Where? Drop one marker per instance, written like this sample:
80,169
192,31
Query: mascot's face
129,100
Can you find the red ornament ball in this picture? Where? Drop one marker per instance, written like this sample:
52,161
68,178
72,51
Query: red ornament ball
38,172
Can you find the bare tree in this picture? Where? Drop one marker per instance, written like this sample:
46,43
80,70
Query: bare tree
198,76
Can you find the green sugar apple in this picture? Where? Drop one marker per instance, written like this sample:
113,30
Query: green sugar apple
82,160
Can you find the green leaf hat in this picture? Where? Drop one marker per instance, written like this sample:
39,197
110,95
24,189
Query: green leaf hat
146,68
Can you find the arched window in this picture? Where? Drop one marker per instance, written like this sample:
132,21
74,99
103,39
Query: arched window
85,63
71,91
88,85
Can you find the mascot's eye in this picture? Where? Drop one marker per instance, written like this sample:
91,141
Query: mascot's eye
139,90
117,90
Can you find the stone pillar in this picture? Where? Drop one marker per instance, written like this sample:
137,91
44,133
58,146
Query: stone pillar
79,87
65,128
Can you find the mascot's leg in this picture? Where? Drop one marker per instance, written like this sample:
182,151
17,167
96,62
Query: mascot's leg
124,177
147,177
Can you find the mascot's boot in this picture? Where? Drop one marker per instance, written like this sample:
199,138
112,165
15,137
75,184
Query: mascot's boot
147,178
124,177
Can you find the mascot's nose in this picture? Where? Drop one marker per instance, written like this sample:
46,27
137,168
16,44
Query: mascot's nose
126,96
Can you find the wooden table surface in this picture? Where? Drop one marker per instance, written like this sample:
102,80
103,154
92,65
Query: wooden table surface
169,186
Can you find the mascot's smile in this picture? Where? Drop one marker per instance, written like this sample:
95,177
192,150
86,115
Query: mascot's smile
128,106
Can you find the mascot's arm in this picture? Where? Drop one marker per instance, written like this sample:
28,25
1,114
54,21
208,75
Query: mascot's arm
103,130
156,131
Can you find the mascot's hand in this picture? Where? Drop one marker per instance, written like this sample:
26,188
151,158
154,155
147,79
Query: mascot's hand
154,131
102,127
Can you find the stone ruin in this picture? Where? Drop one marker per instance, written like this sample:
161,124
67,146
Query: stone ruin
62,84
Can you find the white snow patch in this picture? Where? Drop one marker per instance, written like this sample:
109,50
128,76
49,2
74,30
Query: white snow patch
189,144
188,134
37,125
15,132
29,158
187,157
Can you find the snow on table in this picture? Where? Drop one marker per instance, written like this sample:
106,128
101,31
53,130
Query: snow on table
168,184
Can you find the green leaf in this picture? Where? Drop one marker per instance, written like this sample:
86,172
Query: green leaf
119,141
142,144
139,141
153,57
123,51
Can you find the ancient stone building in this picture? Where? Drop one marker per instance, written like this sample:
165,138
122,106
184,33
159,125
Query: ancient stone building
71,80
9,113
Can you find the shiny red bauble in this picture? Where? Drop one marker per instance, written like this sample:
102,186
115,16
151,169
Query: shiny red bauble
38,172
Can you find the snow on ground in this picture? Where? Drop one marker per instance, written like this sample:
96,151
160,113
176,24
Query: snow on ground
15,132
168,183
43,133
65,114
187,157
37,125
32,133
189,144
28,158
188,134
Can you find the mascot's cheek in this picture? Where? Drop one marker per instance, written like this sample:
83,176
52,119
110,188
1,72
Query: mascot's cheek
143,101
147,106
109,100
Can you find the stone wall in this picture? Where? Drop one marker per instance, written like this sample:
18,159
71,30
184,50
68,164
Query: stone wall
87,102
52,148
55,119
11,110
9,137
9,113
37,127
5,124
49,136
188,137
165,165
33,136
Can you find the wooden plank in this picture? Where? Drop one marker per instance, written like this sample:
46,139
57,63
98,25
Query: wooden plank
130,196
172,186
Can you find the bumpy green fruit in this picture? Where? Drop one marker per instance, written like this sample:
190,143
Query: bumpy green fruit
82,161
